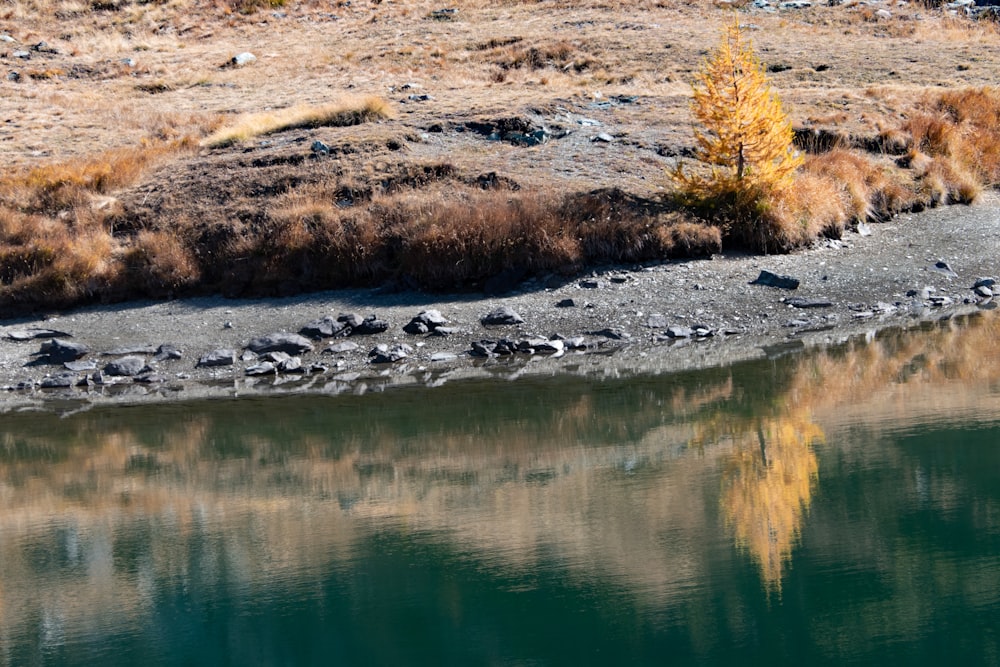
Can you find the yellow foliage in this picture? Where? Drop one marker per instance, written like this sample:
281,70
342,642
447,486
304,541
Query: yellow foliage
746,136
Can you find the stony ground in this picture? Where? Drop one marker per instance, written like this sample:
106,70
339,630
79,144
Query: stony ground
630,319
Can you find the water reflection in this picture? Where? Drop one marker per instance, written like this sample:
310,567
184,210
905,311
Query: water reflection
652,490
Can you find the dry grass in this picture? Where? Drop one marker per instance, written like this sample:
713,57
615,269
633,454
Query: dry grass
339,114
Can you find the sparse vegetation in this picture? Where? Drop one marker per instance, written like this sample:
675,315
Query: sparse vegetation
425,199
340,114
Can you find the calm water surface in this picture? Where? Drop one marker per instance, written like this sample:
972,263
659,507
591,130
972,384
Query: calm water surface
837,507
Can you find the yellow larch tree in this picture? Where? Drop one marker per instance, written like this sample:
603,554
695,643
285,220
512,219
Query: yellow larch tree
745,135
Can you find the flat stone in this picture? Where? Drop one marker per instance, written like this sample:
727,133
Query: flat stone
444,331
168,352
242,59
59,351
81,366
801,302
386,354
656,321
943,268
263,368
219,357
36,333
502,316
566,303
369,326
61,381
443,356
129,349
769,279
280,342
679,332
326,327
591,284
340,348
125,367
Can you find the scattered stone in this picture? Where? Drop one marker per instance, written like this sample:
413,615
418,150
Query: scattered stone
220,357
657,321
796,323
611,334
275,357
502,316
983,291
125,367
36,333
385,354
769,279
619,279
591,284
575,343
151,378
319,148
340,348
129,349
280,342
943,268
242,59
23,55
541,346
864,229
702,331
59,351
168,352
566,303
482,348
248,356
371,325
801,302
327,327
61,381
679,332
425,321
444,331
443,356
13,76
81,366
291,365
941,301
604,138
446,14
263,368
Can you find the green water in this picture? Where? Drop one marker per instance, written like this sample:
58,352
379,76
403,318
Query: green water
836,507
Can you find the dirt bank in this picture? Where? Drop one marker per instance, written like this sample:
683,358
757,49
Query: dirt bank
887,278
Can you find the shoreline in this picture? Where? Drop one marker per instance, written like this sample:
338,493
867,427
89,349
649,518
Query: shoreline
855,286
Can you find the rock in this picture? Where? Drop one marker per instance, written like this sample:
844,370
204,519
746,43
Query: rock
656,321
36,333
129,349
291,365
385,354
502,316
611,334
23,55
864,229
276,357
985,282
541,346
59,351
263,368
219,357
13,76
281,342
319,148
168,352
942,267
566,303
801,302
61,381
443,356
248,356
242,59
371,325
425,321
125,367
679,332
80,366
575,343
769,279
591,284
983,291
444,331
619,279
340,348
603,137
151,378
482,348
350,319
941,301
327,327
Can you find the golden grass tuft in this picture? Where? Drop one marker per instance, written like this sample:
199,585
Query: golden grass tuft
339,114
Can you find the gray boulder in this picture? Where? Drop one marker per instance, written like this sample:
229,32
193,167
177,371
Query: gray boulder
220,357
281,342
125,367
60,351
502,316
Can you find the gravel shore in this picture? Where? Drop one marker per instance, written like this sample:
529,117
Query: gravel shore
888,277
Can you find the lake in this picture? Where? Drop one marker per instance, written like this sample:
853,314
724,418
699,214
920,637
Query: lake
835,506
